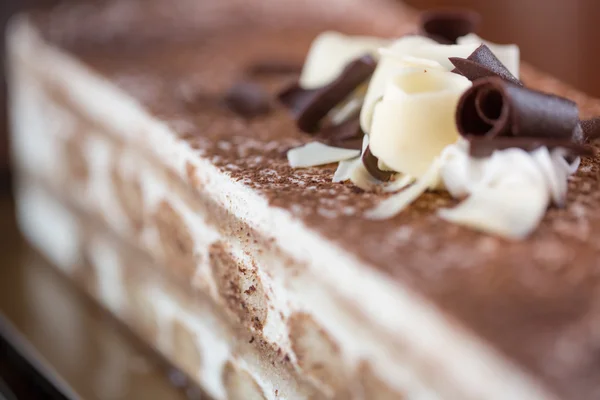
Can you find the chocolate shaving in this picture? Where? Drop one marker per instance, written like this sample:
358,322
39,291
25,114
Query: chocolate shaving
445,26
495,114
347,134
248,100
482,63
273,67
484,147
591,128
310,106
493,107
371,164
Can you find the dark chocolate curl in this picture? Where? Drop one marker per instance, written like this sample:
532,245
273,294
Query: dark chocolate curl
348,134
482,63
310,106
445,26
371,164
493,107
591,128
484,147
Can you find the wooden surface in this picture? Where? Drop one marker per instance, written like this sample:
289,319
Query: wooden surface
76,345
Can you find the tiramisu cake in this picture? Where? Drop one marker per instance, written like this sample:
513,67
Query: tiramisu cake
315,199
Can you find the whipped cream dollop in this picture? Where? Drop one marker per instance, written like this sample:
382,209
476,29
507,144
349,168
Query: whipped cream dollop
408,114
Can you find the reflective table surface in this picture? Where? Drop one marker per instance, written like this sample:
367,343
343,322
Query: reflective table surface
55,342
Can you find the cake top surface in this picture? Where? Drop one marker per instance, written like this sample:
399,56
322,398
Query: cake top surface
537,300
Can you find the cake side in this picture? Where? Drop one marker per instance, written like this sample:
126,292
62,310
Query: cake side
278,300
185,327
477,361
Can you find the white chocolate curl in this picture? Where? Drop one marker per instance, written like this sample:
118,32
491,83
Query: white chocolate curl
354,170
330,52
512,212
414,121
408,52
507,194
315,153
508,54
398,202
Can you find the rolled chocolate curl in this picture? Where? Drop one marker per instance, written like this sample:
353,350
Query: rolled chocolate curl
482,63
310,106
445,26
493,107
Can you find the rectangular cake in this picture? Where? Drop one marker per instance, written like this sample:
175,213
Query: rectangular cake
258,280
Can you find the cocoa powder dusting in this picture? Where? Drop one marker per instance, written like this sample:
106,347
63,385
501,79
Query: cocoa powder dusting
529,299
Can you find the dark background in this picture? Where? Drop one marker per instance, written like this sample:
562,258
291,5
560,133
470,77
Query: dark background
558,36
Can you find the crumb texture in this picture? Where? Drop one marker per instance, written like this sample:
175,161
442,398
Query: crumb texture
240,287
